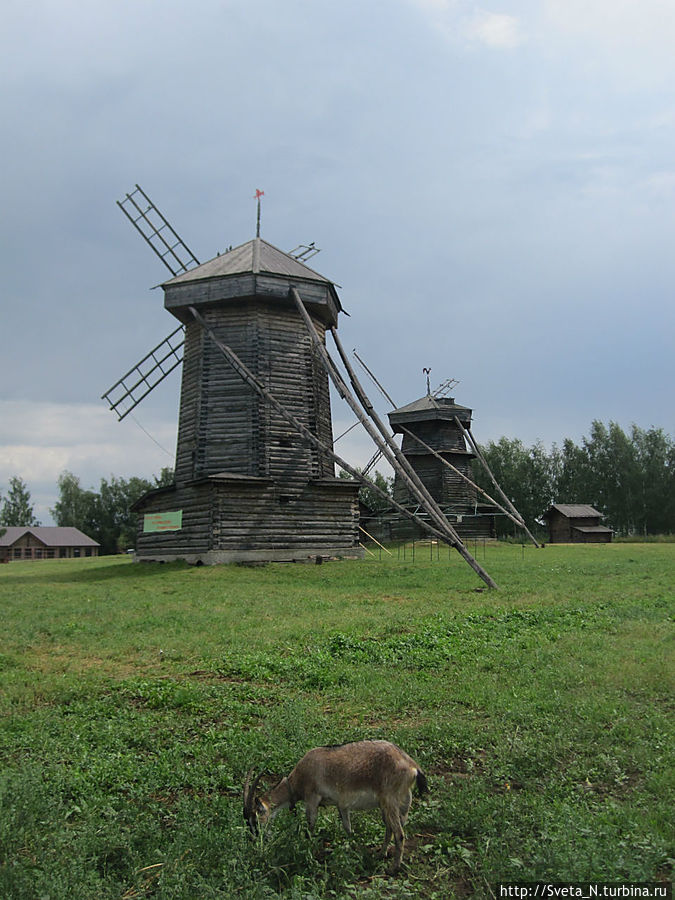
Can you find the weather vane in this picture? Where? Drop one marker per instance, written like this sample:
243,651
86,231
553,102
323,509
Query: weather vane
427,372
258,195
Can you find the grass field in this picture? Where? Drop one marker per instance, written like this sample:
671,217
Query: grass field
135,697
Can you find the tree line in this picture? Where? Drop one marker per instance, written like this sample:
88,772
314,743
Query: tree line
628,477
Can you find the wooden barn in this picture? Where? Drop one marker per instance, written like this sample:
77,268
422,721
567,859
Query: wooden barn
247,486
576,523
45,542
437,422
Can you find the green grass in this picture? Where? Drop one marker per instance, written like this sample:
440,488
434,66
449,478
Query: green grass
135,697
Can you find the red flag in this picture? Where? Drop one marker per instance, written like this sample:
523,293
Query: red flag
259,194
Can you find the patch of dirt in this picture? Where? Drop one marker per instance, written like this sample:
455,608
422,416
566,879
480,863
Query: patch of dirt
631,782
459,767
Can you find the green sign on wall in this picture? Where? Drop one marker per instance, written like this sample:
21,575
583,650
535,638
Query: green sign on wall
165,521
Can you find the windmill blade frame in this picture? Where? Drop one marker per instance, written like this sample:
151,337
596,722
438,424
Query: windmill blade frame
157,232
148,372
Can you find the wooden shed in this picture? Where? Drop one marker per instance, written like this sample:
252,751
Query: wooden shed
576,523
435,420
247,486
45,542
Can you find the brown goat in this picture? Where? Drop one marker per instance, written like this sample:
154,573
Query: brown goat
359,775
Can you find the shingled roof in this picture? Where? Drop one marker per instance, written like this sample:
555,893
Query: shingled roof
254,256
49,535
430,407
577,510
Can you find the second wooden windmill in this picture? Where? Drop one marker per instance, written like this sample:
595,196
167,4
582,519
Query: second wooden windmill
249,485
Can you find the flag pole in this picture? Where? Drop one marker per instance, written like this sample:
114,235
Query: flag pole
258,195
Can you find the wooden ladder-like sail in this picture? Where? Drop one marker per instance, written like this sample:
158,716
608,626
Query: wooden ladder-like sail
148,220
137,383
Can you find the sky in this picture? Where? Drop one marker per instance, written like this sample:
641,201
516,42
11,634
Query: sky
492,185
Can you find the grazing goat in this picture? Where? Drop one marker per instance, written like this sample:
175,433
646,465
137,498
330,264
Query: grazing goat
359,775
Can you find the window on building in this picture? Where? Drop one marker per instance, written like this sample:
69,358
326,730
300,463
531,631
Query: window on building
37,553
63,552
76,552
17,553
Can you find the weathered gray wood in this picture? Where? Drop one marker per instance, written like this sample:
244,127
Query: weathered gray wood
461,475
225,426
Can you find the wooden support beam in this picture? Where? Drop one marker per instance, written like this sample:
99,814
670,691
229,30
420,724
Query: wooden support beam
447,463
381,442
376,382
441,525
401,458
375,540
467,434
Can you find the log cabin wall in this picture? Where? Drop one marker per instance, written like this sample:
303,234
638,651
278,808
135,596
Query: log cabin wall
560,529
226,520
224,425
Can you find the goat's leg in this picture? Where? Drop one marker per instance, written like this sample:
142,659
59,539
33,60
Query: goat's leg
387,838
311,810
346,822
399,844
394,826
404,809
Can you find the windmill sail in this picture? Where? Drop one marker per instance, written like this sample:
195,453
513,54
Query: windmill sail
128,392
148,220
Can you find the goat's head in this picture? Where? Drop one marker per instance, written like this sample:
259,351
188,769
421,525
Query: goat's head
256,812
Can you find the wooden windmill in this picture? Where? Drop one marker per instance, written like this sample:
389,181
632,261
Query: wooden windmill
433,429
438,443
254,479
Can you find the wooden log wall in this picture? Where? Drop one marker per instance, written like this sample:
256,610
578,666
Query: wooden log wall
455,489
471,527
318,516
438,434
195,534
224,426
252,515
444,485
188,417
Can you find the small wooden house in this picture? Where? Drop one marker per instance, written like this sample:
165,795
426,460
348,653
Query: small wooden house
576,523
45,542
435,420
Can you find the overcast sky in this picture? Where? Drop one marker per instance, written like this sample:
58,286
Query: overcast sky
492,185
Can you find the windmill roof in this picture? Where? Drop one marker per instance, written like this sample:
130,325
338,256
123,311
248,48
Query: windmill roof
256,256
50,535
430,409
429,403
